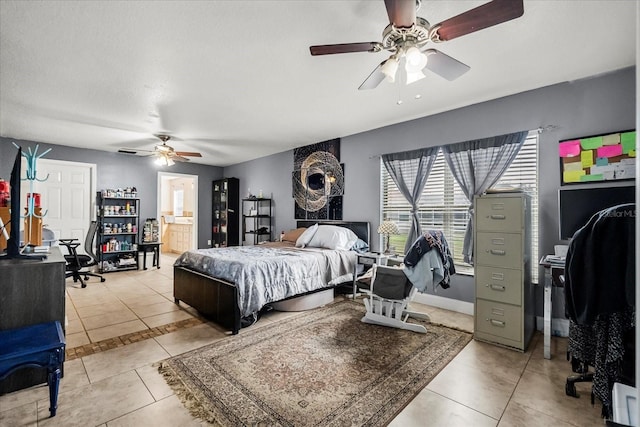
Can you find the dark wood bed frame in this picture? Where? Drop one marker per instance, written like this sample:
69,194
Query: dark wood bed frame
217,299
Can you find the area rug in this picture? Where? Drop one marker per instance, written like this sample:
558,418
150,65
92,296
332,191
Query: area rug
322,367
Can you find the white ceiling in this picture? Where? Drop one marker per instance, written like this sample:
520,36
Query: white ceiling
235,80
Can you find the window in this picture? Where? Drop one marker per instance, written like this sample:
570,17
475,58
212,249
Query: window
444,206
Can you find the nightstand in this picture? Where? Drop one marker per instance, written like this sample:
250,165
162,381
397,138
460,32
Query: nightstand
367,259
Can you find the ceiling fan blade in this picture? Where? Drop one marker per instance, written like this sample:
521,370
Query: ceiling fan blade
135,151
374,78
485,16
444,65
177,158
402,13
330,49
188,153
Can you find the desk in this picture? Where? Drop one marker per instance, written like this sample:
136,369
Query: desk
32,292
552,273
143,248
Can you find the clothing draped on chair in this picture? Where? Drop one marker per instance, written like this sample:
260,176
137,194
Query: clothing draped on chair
477,165
440,266
600,295
409,171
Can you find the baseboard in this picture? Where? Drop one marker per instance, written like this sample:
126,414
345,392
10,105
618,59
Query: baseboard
559,327
445,303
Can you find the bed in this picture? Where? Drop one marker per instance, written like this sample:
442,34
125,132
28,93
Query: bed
226,291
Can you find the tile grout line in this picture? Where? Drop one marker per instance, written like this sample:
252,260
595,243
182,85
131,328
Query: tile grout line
120,341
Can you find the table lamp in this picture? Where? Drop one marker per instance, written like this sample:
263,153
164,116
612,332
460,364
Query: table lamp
387,228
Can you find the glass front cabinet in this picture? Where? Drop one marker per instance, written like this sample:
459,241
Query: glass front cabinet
224,228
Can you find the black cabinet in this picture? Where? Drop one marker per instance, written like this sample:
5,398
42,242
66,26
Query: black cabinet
226,200
256,221
117,236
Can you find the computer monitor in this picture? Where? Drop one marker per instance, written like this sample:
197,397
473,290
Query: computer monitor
577,206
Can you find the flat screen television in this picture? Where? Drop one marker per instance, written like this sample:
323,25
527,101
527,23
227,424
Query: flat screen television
13,243
578,205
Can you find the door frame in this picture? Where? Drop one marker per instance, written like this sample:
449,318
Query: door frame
194,237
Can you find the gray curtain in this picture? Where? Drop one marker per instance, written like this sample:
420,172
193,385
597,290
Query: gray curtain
410,170
476,166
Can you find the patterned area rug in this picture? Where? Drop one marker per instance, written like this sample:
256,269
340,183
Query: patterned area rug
324,367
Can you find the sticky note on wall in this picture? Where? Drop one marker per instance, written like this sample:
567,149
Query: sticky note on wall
602,161
569,148
586,158
573,166
610,151
572,176
591,143
628,141
612,139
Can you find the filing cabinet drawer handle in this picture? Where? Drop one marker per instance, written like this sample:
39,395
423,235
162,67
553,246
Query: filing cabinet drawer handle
497,252
498,216
496,287
495,322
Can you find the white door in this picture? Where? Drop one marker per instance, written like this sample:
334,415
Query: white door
66,196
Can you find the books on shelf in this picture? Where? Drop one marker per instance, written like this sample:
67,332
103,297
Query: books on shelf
554,260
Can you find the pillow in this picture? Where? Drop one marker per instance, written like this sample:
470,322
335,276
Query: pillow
293,235
306,236
360,246
333,237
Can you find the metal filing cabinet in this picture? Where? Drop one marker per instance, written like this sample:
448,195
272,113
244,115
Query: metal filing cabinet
505,304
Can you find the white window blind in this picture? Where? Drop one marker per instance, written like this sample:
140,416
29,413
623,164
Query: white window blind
444,206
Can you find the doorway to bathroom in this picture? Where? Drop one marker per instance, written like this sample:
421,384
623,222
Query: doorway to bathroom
178,211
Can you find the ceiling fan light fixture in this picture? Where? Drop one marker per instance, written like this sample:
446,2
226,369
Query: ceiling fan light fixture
389,69
415,60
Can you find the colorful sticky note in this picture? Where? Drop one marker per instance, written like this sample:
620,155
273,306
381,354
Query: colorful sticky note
573,166
628,140
610,150
596,177
572,176
569,148
631,153
591,143
612,139
586,158
602,161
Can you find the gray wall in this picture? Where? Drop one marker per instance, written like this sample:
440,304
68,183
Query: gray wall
585,107
115,170
591,106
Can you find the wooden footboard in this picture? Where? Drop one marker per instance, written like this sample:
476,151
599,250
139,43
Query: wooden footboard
216,299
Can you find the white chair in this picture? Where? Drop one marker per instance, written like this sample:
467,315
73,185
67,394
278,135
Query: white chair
387,298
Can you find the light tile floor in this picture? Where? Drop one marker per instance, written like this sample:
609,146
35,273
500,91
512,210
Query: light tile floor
484,385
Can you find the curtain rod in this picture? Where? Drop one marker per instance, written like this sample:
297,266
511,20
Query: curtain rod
539,130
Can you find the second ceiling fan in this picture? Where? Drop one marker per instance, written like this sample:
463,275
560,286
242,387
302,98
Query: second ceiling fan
407,37
164,153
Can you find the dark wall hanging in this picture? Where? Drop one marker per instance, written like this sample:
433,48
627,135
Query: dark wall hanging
318,181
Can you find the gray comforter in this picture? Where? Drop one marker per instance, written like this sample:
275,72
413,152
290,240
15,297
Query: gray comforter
266,273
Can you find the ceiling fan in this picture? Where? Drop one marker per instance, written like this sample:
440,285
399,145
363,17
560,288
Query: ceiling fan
407,37
165,154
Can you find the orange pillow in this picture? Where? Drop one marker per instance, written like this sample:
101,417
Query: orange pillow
292,235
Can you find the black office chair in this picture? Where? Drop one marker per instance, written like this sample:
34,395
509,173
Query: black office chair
600,303
78,264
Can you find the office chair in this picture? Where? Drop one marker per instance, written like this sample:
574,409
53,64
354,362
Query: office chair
78,264
600,303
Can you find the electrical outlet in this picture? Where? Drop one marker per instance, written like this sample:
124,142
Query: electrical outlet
209,242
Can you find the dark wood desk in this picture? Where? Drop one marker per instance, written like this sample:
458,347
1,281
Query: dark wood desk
552,272
154,248
32,292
